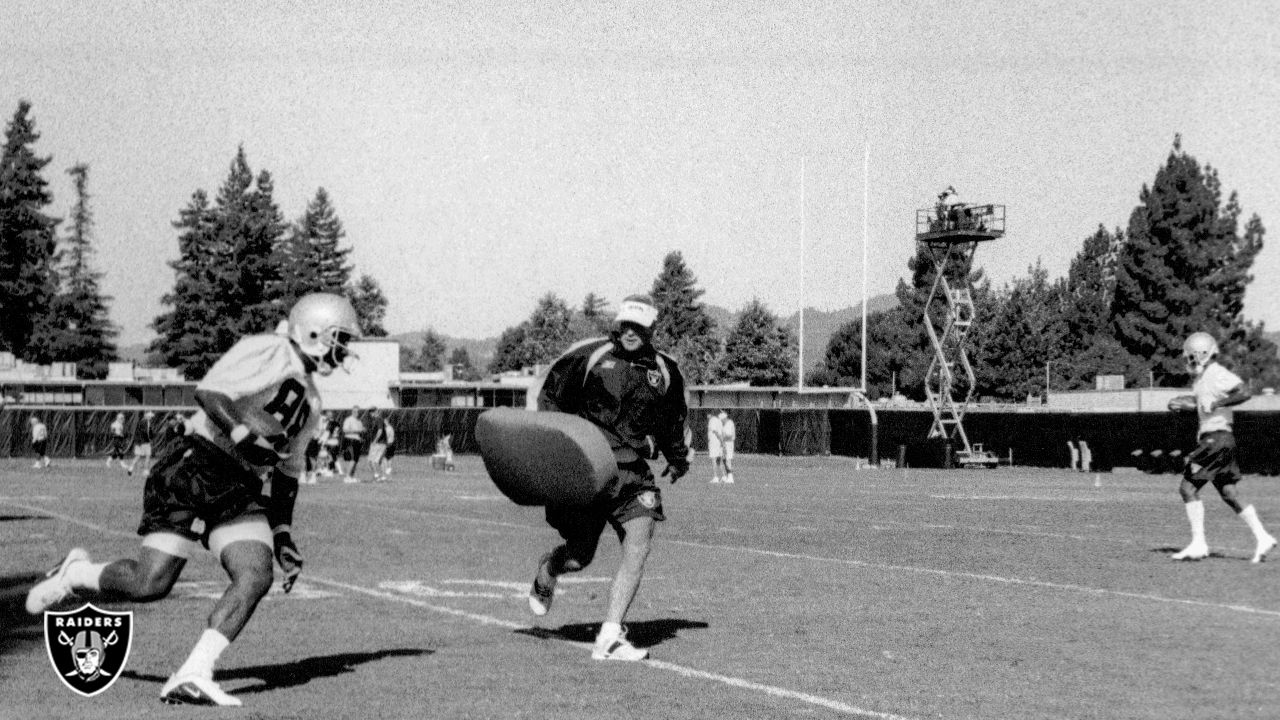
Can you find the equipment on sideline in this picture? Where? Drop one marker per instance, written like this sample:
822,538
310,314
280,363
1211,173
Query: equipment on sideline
544,458
1183,403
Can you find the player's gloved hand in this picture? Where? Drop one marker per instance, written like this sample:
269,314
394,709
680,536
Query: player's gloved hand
289,558
259,450
677,470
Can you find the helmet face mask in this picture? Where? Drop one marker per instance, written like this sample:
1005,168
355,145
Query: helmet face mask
1198,351
323,326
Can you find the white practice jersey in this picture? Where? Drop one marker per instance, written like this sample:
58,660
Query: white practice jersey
264,373
1214,384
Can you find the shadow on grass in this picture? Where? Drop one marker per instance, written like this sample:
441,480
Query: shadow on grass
293,674
645,633
16,626
15,518
1213,554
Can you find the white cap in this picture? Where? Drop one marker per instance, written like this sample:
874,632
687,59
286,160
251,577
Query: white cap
637,309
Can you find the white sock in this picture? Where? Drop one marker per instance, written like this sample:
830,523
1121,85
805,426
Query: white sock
1250,517
85,575
1195,514
205,654
610,630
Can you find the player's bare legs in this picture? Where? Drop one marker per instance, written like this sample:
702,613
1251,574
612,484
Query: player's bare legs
148,578
611,643
248,564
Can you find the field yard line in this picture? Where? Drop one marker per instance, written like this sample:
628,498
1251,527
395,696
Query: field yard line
659,664
980,576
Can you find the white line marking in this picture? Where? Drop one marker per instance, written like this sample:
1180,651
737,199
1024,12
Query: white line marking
682,670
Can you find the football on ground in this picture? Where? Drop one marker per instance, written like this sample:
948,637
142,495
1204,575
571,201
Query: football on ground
1183,403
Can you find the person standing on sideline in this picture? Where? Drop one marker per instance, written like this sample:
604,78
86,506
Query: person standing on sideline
378,444
207,488
727,432
1214,460
119,442
143,434
40,442
715,448
631,392
352,443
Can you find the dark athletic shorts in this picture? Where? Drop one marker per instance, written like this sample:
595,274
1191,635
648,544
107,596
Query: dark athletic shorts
194,487
1214,459
40,446
634,493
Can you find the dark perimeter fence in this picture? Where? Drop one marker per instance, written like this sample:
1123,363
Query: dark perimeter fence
1148,441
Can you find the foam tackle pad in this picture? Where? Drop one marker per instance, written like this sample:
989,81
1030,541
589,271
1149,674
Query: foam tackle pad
544,458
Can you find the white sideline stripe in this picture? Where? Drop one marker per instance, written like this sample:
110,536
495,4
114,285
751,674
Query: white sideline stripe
659,664
990,578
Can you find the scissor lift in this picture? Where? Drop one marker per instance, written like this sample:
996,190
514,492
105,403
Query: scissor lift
951,234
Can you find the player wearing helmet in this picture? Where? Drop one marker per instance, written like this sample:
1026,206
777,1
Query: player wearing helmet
1216,389
258,408
633,393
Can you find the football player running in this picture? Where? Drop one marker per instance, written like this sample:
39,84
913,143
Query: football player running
633,393
1216,389
207,487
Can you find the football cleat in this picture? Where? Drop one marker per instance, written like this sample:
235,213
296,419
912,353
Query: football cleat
196,690
1194,551
541,594
55,587
1264,546
617,648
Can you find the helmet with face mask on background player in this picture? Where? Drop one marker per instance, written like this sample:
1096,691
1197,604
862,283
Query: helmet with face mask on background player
323,325
1198,350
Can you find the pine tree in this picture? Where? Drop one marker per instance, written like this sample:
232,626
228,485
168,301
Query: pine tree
759,350
463,368
313,260
1089,349
1185,268
77,328
370,305
430,355
1022,338
684,329
28,279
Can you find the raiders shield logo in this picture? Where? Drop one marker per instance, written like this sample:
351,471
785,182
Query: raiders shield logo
88,647
655,378
648,499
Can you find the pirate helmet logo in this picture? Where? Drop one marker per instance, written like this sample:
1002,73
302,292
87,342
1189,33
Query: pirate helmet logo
88,647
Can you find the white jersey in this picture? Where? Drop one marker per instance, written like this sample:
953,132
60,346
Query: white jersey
714,428
1215,383
264,373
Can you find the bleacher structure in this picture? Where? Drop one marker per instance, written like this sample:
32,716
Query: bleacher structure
950,233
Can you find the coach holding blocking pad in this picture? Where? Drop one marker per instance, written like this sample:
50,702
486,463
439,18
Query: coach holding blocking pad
632,392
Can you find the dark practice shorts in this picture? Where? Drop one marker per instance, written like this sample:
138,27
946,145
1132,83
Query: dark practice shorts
119,448
1214,459
390,451
634,493
194,487
352,449
40,446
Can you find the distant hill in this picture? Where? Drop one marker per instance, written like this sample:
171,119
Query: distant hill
480,351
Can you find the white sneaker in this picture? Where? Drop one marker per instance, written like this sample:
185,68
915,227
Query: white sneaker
728,478
55,587
715,481
1194,551
617,648
196,690
542,594
349,479
1264,546
36,466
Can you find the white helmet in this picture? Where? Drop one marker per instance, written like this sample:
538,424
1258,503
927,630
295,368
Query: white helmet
1198,350
323,325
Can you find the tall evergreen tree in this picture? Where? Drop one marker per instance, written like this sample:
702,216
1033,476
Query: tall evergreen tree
511,353
370,305
187,335
684,329
1089,348
77,328
1184,268
1023,337
28,279
429,356
759,350
313,260
463,368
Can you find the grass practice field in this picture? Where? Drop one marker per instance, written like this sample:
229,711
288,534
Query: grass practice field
807,589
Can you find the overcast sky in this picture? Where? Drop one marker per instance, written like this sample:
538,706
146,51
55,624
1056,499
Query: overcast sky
481,154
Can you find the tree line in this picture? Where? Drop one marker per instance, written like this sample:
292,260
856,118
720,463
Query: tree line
1130,295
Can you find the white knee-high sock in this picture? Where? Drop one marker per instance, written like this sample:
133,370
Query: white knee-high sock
205,654
1250,517
1195,514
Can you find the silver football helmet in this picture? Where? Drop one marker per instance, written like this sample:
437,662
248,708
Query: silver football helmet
323,325
1198,350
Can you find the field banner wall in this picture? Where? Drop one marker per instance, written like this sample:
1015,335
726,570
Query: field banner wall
1150,441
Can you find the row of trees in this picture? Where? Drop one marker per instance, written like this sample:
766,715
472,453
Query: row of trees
240,267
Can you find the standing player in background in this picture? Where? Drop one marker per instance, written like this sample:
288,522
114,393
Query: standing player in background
207,487
632,392
727,435
352,443
40,442
143,434
1214,460
715,447
330,444
119,442
379,443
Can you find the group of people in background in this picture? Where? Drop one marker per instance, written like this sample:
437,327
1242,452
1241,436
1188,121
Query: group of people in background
336,447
